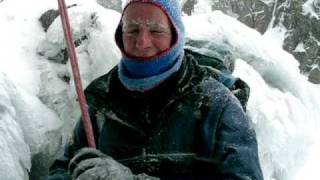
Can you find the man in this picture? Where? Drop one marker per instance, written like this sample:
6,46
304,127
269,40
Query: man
159,112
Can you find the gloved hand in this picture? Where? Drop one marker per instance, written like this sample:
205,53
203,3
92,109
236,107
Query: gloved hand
92,164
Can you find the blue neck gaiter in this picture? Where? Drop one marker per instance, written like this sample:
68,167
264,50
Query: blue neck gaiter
140,75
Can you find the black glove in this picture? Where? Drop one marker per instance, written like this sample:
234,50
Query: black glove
91,164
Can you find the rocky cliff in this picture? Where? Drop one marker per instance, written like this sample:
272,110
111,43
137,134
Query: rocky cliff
300,19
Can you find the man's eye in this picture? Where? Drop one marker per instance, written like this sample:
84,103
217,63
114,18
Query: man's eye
132,31
156,31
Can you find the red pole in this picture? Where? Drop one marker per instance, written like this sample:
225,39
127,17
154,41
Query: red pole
76,73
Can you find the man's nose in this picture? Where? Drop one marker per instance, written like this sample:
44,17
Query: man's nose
143,40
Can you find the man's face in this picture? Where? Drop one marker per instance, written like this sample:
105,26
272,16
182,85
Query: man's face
146,30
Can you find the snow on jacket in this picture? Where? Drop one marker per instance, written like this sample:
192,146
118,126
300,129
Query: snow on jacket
189,127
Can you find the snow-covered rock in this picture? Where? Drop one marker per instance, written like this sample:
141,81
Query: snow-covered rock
96,56
295,21
30,131
15,152
283,106
38,106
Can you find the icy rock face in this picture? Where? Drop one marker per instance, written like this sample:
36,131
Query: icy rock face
282,103
188,6
48,17
54,47
303,36
15,152
314,75
300,19
92,30
111,4
56,90
28,135
254,13
41,129
87,27
91,37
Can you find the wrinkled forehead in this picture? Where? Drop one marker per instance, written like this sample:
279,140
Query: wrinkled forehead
144,13
135,23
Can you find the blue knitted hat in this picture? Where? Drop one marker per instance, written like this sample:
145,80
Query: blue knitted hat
144,74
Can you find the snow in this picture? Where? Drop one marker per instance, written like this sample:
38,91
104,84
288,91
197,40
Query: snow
34,100
27,129
283,105
300,48
309,170
202,7
268,2
38,108
276,34
312,7
11,137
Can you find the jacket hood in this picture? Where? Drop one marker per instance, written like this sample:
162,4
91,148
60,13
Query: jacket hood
173,11
141,74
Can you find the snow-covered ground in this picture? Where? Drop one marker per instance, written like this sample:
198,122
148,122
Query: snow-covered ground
312,7
38,107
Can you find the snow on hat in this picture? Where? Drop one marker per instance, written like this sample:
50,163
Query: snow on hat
141,75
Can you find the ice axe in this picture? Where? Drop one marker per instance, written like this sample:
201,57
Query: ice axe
76,73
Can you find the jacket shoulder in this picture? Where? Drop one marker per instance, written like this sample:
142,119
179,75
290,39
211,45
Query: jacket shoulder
98,89
101,83
214,68
206,80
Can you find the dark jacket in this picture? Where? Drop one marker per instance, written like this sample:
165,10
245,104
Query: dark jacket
189,127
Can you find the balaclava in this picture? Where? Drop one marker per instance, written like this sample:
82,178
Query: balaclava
142,75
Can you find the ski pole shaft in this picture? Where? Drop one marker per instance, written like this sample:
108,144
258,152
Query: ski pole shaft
76,73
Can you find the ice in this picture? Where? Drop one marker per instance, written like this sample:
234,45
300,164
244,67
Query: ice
15,152
312,7
97,54
283,106
38,105
300,48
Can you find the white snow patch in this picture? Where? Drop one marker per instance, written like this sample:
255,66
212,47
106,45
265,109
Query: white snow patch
310,168
276,35
202,7
268,2
15,152
284,107
300,48
312,8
